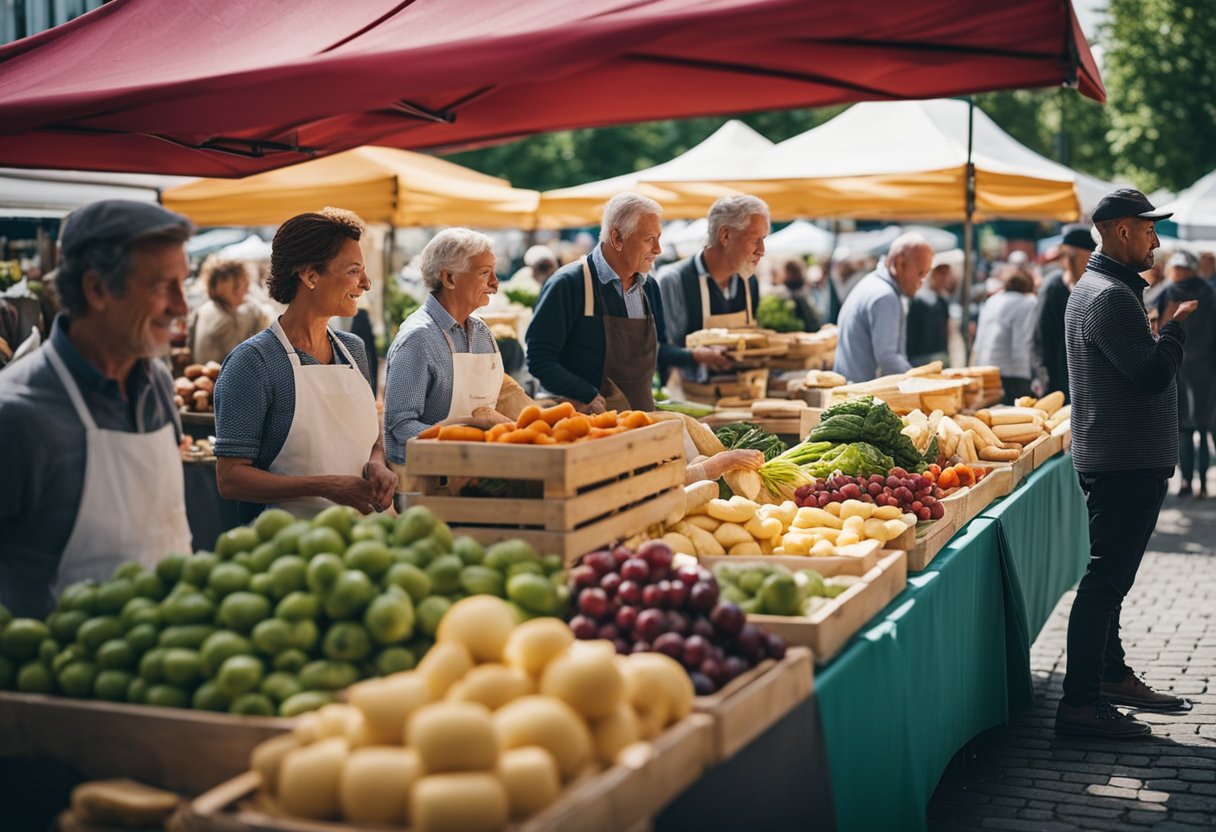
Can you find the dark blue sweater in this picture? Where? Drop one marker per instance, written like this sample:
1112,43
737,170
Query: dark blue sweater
566,350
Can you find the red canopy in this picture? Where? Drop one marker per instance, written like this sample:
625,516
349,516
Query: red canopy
231,87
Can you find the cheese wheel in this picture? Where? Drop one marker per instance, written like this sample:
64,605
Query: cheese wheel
387,703
535,643
549,723
454,736
309,779
376,782
482,623
531,779
492,685
587,681
467,802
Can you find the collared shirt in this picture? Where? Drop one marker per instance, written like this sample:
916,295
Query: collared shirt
418,377
675,307
43,452
871,339
255,398
635,307
1004,336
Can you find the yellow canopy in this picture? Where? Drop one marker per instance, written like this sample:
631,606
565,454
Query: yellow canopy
380,184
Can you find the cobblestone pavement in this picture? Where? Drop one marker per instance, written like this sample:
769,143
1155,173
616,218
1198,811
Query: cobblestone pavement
1022,777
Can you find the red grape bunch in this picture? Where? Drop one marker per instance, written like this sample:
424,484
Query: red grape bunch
911,493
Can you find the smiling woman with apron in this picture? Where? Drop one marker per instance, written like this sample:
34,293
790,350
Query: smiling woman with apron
133,505
631,352
334,426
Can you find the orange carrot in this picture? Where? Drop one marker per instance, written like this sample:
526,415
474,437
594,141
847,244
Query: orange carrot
607,419
576,426
520,436
430,433
948,479
555,414
494,433
544,439
462,433
540,426
528,415
636,419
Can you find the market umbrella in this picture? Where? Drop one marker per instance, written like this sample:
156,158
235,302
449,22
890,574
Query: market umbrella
1195,210
243,86
799,238
731,146
380,184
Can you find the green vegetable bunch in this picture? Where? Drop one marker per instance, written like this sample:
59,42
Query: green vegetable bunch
778,314
783,474
867,420
522,297
745,435
857,459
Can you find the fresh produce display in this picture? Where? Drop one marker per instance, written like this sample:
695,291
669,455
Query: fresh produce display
281,615
866,419
743,435
557,425
997,434
771,589
696,411
486,730
778,314
643,602
194,387
851,528
910,493
823,378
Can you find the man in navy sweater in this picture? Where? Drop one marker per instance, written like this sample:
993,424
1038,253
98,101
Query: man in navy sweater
598,330
1124,447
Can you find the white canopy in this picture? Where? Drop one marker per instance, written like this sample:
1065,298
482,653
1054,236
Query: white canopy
55,193
1195,210
729,150
798,239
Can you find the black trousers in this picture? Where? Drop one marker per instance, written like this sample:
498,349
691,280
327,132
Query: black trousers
1122,515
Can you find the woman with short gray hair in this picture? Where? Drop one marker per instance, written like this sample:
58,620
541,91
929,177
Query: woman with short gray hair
444,365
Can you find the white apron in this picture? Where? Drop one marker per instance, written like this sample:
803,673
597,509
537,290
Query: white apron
476,379
731,320
334,426
133,504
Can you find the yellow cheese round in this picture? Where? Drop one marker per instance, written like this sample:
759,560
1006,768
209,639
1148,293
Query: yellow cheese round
309,778
549,723
454,736
534,643
467,802
387,703
587,681
482,623
531,779
443,665
492,685
375,785
614,732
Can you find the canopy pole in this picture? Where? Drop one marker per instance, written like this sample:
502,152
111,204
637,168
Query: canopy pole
968,235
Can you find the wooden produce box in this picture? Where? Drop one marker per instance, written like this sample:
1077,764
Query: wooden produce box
926,544
795,426
622,797
177,749
831,627
1024,465
997,483
745,384
1048,447
751,704
1064,431
825,564
577,497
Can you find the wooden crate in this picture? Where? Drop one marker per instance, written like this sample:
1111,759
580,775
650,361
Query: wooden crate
997,483
834,565
749,705
1050,445
622,797
1024,465
798,426
1064,431
935,536
578,497
172,748
831,627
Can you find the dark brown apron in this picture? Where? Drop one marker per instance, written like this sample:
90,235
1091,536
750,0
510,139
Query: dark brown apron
631,350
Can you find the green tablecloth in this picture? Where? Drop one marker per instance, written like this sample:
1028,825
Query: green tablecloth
947,658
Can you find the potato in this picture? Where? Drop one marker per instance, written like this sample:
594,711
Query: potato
747,547
453,736
895,528
535,643
887,512
822,549
491,685
785,512
704,542
810,517
795,544
387,703
467,802
268,755
764,527
855,508
549,723
833,509
376,783
614,732
855,524
704,521
732,511
309,779
445,664
729,534
183,387
679,543
193,371
204,383
589,682
847,538
482,623
531,779
876,529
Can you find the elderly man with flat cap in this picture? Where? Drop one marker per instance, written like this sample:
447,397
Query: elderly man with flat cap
88,430
1124,447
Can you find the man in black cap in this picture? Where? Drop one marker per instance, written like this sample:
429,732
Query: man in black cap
1124,447
88,431
1075,248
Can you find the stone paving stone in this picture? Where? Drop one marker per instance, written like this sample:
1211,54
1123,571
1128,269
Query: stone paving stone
1035,780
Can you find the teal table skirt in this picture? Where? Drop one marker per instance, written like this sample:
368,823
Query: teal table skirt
949,657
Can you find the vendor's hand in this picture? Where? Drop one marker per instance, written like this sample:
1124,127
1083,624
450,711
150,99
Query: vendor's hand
596,405
490,415
713,358
384,483
743,459
356,492
1179,311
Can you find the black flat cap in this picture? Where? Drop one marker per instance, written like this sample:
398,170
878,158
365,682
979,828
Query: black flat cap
1079,236
120,221
1127,202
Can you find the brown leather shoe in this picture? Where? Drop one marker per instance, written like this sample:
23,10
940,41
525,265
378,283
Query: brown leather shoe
1101,720
1133,692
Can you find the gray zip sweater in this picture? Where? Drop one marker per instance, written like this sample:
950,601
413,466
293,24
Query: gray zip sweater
1122,378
